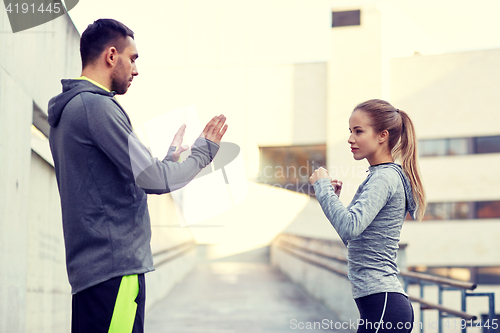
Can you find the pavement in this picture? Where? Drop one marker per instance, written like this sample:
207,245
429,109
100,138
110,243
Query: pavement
242,297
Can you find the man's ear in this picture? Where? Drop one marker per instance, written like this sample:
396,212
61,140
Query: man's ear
383,136
111,56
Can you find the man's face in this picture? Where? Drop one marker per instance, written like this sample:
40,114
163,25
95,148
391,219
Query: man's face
126,69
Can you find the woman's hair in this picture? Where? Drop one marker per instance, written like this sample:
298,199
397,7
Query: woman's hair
402,142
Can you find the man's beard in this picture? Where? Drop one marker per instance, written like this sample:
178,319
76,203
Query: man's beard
118,83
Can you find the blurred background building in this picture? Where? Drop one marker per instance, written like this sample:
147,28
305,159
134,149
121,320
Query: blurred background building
287,76
453,101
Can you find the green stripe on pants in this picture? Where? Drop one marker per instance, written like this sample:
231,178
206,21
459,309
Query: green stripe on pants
125,306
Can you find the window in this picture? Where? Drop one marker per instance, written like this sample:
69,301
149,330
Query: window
432,147
488,209
487,144
346,18
436,211
462,210
488,275
459,146
290,167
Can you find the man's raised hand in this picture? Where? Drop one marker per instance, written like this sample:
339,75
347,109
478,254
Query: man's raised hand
177,142
215,129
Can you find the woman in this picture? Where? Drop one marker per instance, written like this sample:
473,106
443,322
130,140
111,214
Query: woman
370,226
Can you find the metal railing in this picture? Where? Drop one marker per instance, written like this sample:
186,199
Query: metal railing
315,252
445,284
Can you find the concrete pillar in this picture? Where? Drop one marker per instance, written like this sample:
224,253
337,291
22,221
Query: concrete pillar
354,76
16,116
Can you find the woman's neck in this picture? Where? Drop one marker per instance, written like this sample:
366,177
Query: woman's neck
380,159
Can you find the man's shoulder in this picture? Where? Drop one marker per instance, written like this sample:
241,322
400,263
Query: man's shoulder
93,97
101,110
97,103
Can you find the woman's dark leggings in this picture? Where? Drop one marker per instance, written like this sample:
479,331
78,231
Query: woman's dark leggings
385,312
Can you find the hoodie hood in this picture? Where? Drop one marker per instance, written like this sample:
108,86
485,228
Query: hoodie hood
71,88
411,205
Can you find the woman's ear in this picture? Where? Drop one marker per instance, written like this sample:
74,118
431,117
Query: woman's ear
383,136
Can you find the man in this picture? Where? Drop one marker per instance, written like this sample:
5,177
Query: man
103,173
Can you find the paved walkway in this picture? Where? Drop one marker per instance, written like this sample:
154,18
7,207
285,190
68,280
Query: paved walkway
224,297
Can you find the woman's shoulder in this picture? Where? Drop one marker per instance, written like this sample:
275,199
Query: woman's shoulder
388,174
386,170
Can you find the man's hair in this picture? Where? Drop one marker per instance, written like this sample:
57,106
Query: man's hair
101,34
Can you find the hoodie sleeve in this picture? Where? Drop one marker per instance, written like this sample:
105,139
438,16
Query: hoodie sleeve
112,132
350,223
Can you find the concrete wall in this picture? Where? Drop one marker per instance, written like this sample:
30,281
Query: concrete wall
48,294
354,76
309,103
331,289
14,182
252,224
31,64
449,95
167,234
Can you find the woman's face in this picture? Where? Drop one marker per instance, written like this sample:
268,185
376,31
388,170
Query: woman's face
363,139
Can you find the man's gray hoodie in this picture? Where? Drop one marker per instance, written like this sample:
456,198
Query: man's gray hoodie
103,173
370,226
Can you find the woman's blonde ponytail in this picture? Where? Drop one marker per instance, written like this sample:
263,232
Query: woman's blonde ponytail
402,143
406,153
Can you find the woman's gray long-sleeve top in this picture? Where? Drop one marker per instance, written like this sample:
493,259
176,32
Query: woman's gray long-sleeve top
370,226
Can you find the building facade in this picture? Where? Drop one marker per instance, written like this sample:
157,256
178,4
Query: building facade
453,101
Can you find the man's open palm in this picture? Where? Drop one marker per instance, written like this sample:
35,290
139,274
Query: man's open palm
215,129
